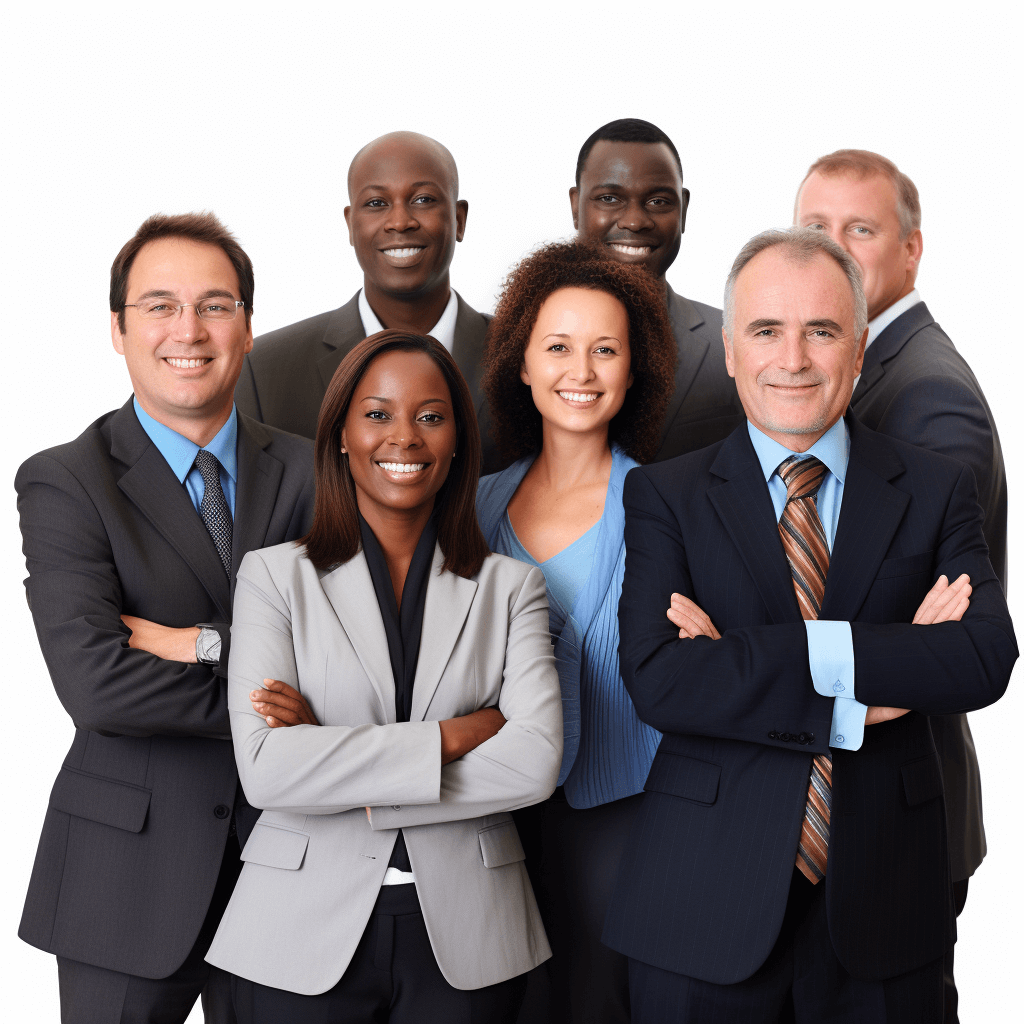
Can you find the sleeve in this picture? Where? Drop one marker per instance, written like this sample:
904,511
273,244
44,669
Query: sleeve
830,655
312,769
74,593
753,684
519,765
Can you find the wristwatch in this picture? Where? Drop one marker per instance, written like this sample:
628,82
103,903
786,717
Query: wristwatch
207,644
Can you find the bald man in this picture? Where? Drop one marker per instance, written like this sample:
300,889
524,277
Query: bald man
404,218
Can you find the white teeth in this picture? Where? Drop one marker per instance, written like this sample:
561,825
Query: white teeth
187,364
579,396
402,467
631,250
402,253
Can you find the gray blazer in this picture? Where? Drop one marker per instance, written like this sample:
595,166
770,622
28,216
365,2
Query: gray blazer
314,863
285,377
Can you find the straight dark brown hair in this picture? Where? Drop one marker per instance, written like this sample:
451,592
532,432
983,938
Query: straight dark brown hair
334,537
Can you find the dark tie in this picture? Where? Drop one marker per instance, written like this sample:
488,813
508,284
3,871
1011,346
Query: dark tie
214,507
806,547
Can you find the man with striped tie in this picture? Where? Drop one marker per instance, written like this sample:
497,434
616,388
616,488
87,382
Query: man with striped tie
828,588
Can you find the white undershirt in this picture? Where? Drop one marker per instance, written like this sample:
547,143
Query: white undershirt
443,330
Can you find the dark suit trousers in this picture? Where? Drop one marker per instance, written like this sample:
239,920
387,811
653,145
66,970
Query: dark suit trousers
950,997
392,977
802,981
94,995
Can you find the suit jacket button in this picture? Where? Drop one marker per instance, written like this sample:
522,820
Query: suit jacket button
773,735
396,807
221,811
802,738
810,737
786,736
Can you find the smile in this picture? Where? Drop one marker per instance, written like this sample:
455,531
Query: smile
402,467
401,254
580,397
186,364
632,250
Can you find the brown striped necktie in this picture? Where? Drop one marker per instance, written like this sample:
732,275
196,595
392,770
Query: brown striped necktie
806,547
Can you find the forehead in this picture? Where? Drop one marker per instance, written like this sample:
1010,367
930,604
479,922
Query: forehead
873,195
633,165
181,265
774,285
400,373
396,164
580,304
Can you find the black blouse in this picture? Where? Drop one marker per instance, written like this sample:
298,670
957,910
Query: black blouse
402,626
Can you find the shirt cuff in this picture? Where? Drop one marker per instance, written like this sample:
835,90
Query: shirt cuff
830,656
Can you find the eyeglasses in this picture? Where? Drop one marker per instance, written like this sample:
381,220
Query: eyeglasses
208,309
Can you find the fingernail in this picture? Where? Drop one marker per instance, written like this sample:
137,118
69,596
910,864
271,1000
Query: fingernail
270,720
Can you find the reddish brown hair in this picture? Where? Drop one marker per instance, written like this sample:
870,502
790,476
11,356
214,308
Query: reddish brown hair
197,227
334,537
636,427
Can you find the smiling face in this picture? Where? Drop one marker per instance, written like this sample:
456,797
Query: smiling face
183,369
860,215
793,351
400,434
631,200
577,361
404,218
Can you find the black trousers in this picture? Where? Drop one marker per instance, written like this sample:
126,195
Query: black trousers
573,856
801,981
94,995
392,977
950,998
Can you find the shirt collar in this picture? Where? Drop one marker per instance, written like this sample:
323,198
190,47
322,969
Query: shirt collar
443,330
180,452
887,316
832,448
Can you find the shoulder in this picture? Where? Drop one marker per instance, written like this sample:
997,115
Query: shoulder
711,315
289,448
280,564
284,343
469,315
921,467
506,575
80,458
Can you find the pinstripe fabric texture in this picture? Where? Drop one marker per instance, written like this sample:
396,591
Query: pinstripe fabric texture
806,547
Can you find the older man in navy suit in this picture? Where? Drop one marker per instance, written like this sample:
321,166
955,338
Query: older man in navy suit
789,859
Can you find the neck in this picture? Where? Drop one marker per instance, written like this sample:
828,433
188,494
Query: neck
417,313
908,287
569,460
798,443
199,427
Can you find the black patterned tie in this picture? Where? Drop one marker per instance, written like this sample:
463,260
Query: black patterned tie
214,506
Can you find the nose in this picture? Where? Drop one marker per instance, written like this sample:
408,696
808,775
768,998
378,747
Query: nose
189,326
581,370
635,217
405,432
792,353
401,218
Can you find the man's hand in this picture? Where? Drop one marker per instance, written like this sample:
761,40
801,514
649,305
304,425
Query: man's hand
165,642
461,735
281,705
945,602
690,619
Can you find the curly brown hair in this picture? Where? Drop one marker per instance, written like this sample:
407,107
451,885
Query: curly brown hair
636,427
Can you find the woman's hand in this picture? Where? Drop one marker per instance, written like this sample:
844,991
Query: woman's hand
461,735
281,705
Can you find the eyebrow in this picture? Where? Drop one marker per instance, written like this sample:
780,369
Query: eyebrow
665,187
830,325
603,337
387,188
163,293
391,401
757,325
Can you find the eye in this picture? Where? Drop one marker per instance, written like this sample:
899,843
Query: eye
432,417
376,203
376,414
765,332
861,230
607,200
658,201
821,333
557,347
604,350
424,199
818,226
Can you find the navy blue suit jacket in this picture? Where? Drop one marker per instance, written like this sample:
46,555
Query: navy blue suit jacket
704,882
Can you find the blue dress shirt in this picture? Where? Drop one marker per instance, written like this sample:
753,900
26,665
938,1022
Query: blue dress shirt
829,644
180,454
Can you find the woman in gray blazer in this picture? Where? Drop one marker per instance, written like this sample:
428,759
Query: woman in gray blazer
393,696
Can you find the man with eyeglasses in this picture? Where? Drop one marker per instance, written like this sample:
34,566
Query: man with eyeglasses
132,533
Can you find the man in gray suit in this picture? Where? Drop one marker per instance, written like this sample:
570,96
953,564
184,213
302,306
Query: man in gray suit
629,196
132,534
404,218
915,386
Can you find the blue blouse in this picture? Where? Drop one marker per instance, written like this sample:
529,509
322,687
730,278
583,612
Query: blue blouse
608,750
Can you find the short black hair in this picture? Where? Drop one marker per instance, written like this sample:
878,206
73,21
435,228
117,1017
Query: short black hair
626,129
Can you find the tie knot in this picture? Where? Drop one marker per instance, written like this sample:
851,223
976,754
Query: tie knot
801,475
208,465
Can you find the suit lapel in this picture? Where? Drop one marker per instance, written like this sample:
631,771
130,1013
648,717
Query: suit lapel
745,508
449,598
469,347
259,478
887,345
152,487
871,512
344,331
691,348
349,588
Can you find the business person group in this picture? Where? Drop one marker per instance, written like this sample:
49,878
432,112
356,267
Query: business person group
604,660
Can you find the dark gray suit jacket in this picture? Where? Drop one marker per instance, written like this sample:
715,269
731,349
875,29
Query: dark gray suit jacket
917,387
285,377
139,816
704,407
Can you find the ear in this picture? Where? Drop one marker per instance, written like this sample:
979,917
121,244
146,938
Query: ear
115,335
861,348
629,382
348,224
730,363
524,376
248,333
574,203
915,248
684,203
461,213
344,440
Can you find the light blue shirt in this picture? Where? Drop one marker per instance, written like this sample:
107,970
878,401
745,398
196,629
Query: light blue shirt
829,643
180,454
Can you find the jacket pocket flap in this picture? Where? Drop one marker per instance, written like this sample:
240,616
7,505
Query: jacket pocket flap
679,775
276,847
908,565
100,799
500,845
922,780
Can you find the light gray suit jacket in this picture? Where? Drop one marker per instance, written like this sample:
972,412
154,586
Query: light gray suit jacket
314,863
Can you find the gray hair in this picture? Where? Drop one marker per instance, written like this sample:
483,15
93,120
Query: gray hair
802,245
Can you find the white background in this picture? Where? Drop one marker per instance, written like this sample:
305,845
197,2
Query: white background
113,112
